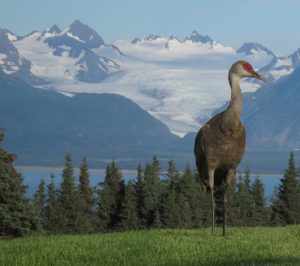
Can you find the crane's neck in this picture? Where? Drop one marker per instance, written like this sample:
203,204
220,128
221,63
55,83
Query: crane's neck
235,106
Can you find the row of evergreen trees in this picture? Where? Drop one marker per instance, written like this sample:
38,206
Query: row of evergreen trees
17,213
155,199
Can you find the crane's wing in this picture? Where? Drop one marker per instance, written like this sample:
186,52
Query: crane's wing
199,151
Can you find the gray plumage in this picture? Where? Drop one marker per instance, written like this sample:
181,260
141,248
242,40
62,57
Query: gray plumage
220,143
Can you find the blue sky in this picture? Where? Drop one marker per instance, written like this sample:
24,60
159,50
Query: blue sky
273,23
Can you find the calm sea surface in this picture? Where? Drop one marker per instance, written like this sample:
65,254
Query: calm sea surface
33,175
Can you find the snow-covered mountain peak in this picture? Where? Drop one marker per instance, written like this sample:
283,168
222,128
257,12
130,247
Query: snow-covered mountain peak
49,32
9,56
74,54
83,33
135,40
167,49
281,66
252,48
54,29
9,35
32,34
196,38
172,38
12,62
295,57
152,37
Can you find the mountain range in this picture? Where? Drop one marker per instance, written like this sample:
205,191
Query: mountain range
41,126
180,82
177,83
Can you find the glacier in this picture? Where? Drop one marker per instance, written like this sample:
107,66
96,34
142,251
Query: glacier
180,82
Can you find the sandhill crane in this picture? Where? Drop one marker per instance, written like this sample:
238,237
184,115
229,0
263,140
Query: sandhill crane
220,143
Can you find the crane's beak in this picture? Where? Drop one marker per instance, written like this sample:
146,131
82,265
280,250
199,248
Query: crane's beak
258,76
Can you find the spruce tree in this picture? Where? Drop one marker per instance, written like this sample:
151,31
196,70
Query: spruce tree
129,211
185,212
84,183
140,197
260,212
173,175
111,195
170,212
170,204
190,200
17,215
69,200
274,208
39,199
53,212
244,201
158,191
86,201
249,201
288,194
242,212
152,194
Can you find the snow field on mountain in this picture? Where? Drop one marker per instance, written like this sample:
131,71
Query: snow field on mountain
180,82
44,63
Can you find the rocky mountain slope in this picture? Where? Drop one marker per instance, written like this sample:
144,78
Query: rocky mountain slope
180,82
42,126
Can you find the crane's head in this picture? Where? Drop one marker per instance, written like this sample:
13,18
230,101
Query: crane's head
244,69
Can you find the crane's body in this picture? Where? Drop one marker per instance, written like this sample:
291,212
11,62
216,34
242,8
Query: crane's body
220,143
216,148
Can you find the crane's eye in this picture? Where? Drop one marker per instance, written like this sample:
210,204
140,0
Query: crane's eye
248,68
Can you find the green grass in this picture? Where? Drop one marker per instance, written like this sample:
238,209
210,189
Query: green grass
242,246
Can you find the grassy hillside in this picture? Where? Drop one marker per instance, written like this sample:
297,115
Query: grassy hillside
242,246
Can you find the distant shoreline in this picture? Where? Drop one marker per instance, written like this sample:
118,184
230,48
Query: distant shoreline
58,169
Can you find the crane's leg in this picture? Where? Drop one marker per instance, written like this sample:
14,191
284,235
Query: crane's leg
230,175
224,206
213,206
211,182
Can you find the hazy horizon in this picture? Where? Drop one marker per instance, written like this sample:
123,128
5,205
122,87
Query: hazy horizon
273,24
